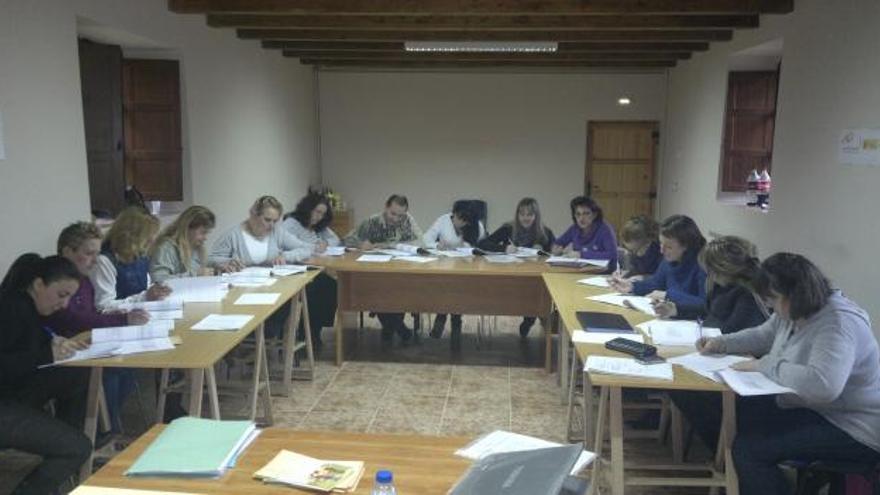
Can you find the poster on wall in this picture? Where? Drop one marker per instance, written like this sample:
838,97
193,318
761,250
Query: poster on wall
859,147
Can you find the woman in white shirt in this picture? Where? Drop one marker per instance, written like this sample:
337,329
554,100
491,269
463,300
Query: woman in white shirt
461,228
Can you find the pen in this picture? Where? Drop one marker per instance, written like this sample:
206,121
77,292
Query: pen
700,328
49,332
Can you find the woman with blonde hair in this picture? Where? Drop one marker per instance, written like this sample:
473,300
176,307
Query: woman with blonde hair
179,251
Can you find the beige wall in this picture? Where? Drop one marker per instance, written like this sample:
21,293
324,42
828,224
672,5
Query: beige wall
437,137
829,81
248,115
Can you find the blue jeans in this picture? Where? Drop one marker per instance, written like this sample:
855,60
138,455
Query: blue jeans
767,435
118,384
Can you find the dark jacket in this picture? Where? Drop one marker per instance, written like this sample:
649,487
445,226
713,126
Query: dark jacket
684,281
24,344
731,308
645,264
503,236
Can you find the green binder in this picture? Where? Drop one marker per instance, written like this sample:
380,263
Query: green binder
194,447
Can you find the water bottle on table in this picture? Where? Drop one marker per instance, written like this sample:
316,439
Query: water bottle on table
384,484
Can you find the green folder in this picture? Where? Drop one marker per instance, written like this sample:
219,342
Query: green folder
194,447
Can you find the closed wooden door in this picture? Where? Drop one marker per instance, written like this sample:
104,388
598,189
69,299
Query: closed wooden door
621,168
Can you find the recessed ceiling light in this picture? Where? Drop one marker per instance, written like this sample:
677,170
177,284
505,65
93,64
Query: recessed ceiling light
623,101
480,46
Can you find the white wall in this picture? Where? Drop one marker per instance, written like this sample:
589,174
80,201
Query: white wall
437,137
249,124
829,81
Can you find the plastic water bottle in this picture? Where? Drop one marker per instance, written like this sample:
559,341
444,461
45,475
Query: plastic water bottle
384,484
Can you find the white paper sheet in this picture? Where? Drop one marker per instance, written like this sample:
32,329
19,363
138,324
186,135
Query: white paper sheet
257,271
748,383
94,351
407,248
288,270
153,330
595,282
333,251
707,365
375,258
257,298
676,332
388,252
163,305
222,322
141,346
247,280
563,260
500,441
582,337
638,303
501,258
524,252
451,253
197,289
415,259
628,367
174,314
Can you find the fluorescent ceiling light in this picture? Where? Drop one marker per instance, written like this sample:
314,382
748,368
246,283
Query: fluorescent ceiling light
480,46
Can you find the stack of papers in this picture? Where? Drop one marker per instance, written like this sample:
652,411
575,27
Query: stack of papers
707,365
333,251
595,282
575,262
524,252
500,441
256,271
676,332
452,253
502,258
168,309
375,258
628,367
257,298
121,341
301,471
415,259
197,289
242,279
222,322
287,270
195,447
152,330
582,337
638,303
747,383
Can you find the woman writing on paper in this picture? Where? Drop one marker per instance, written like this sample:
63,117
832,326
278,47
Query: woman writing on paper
820,344
526,230
589,236
34,288
461,228
679,279
639,239
310,223
121,276
179,251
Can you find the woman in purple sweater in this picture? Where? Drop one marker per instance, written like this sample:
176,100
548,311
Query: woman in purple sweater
590,237
80,243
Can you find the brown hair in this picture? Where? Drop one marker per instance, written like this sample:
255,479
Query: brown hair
264,202
537,226
798,280
684,230
74,235
129,237
733,258
178,232
641,229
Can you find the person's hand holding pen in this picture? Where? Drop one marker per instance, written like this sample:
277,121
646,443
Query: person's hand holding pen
158,291
620,284
662,305
63,348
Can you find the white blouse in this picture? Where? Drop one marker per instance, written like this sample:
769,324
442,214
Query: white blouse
444,231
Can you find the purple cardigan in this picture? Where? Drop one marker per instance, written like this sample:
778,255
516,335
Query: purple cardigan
599,243
81,315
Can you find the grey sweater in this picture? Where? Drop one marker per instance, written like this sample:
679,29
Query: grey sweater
166,263
309,236
231,245
831,360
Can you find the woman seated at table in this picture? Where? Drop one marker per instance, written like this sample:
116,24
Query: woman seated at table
526,230
179,250
258,241
679,279
461,228
639,239
589,237
310,223
80,243
732,269
820,344
34,288
120,276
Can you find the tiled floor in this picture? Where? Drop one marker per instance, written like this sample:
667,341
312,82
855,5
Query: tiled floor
422,388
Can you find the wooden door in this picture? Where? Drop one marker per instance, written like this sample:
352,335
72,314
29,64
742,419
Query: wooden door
100,70
621,168
151,102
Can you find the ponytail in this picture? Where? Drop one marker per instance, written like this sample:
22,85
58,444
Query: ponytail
30,266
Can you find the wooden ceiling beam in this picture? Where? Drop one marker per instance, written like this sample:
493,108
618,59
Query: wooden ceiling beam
505,7
617,64
397,46
624,36
463,56
483,22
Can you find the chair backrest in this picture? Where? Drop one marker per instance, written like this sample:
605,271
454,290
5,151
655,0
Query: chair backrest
482,209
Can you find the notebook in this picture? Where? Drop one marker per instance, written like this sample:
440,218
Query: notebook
194,447
302,471
594,321
530,472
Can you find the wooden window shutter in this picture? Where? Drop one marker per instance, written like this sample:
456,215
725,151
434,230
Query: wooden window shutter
151,110
748,127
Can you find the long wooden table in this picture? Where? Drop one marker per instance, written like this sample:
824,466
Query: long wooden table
449,285
199,351
421,464
569,297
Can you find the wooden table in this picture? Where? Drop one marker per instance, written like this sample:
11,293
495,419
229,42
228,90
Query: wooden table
199,351
569,297
449,285
423,465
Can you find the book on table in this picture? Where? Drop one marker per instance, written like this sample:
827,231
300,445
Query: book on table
302,471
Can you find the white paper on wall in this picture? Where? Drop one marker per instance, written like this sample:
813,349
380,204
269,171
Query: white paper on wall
859,147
